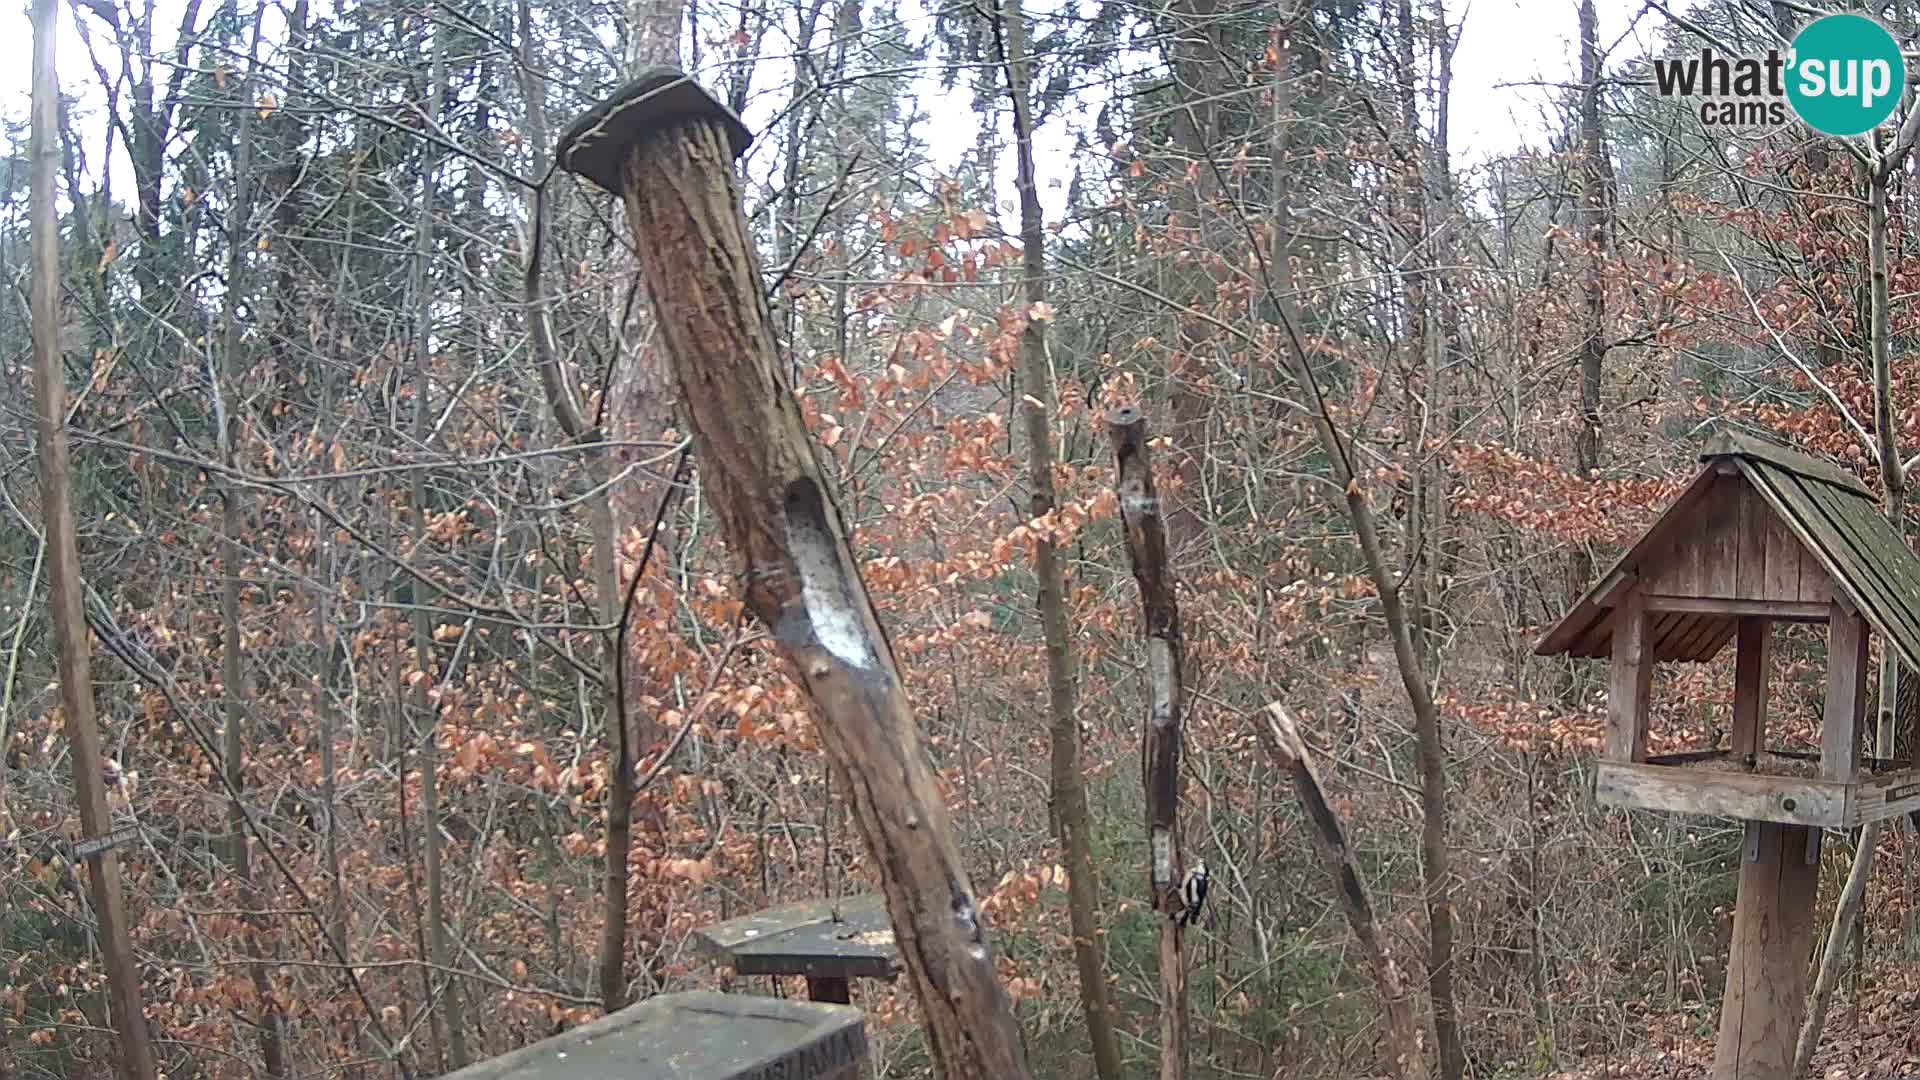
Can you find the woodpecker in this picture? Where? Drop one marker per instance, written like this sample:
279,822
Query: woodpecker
1193,893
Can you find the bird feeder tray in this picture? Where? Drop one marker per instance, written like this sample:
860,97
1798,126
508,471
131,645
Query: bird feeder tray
696,1034
828,941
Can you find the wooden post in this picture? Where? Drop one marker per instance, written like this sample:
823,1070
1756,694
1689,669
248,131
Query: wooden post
667,148
1846,695
1753,661
1630,682
1160,738
829,988
1767,964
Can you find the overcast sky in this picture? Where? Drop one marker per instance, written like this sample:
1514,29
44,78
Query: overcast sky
1508,49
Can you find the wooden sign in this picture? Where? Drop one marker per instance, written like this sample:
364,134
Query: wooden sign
98,844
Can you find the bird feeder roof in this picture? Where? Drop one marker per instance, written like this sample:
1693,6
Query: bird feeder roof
1830,516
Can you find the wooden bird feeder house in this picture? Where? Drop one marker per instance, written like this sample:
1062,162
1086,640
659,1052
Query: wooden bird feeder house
1762,535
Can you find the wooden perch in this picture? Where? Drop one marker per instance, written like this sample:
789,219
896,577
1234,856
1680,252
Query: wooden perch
1160,740
1281,737
668,149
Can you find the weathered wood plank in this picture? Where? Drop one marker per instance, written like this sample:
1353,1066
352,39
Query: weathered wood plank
1816,585
1719,540
848,938
1875,553
1698,634
1884,556
1783,556
1751,665
1631,683
1846,695
1784,610
1886,796
1713,793
1661,627
1563,635
1753,517
1732,443
699,1033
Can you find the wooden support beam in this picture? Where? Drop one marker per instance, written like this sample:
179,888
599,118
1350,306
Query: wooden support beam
1767,965
1751,666
1784,610
829,988
1630,684
1846,695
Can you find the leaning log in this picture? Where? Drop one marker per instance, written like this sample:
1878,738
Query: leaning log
666,148
1280,735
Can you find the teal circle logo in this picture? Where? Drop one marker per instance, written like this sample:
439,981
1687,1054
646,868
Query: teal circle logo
1845,75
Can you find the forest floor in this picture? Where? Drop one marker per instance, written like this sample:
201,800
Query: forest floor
1876,1037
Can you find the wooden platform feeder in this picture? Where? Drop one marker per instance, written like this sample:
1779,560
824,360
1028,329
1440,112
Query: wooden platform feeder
1761,535
700,1034
830,942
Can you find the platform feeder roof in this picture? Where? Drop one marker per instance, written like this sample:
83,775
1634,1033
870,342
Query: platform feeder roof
1831,520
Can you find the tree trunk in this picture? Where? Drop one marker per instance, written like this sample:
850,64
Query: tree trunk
1853,897
229,396
802,581
1594,216
1160,740
1069,791
63,569
1436,869
451,993
640,409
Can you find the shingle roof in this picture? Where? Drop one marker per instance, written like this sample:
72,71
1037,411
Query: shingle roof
1833,515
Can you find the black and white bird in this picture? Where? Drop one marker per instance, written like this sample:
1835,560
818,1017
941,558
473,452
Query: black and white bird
1193,893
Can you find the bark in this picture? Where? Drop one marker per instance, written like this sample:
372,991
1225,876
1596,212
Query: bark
63,569
1160,738
1068,784
802,582
1280,736
1886,427
1192,32
229,396
1419,368
1594,216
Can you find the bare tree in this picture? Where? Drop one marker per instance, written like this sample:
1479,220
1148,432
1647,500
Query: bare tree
63,568
1068,787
